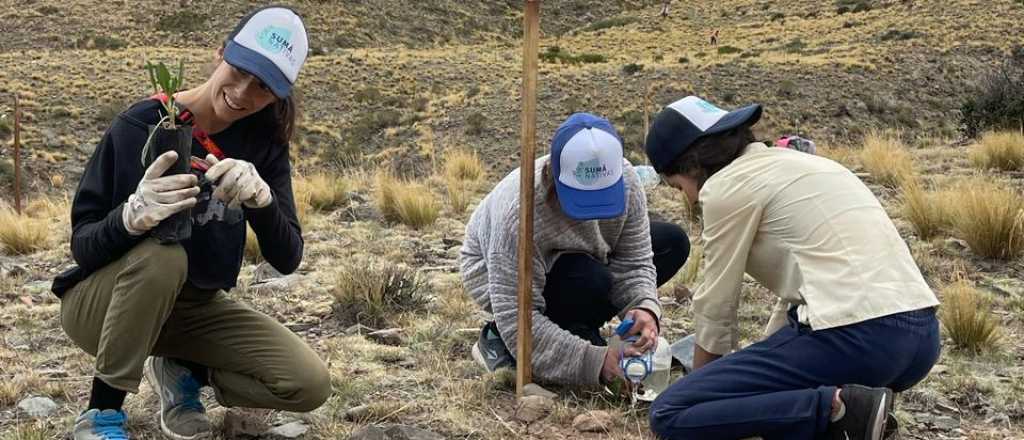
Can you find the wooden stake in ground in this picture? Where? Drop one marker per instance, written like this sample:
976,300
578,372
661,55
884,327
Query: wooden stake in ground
524,341
17,155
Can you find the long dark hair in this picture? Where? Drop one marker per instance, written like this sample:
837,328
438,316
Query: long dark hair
710,154
281,117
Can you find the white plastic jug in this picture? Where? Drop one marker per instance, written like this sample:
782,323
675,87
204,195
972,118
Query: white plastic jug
648,177
658,380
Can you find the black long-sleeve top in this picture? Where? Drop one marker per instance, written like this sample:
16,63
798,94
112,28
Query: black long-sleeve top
216,247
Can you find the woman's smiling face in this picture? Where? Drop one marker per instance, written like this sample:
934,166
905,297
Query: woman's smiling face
237,94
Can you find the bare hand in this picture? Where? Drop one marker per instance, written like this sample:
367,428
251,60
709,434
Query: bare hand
645,325
610,370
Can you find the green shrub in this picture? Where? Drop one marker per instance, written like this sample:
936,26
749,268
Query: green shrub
795,46
610,23
684,60
996,101
555,54
6,126
185,20
777,16
725,50
898,35
632,68
476,123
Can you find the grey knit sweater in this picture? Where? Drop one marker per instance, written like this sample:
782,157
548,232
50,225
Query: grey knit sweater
489,269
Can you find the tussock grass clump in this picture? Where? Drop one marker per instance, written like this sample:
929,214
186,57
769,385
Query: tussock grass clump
21,234
325,191
1001,150
406,202
885,156
967,319
989,216
925,210
374,292
463,165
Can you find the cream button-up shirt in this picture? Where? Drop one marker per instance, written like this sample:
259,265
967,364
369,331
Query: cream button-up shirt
808,230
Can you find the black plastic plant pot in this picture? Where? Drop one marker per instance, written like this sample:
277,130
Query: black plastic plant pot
177,227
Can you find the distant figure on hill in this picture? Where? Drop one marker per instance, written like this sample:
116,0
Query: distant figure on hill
714,37
664,8
597,256
854,319
142,307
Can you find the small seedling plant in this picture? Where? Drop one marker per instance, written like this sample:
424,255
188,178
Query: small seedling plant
168,83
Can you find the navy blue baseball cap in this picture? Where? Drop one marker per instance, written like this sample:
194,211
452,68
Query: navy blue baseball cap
683,122
586,160
271,44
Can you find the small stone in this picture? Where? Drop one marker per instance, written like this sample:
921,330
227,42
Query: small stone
401,432
278,285
593,421
533,408
532,389
239,424
357,413
369,433
296,429
39,407
265,272
389,336
939,369
13,271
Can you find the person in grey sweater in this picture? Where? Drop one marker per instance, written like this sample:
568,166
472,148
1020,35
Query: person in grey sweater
593,258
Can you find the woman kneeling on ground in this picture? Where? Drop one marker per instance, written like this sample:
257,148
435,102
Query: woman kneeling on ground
855,320
592,258
131,297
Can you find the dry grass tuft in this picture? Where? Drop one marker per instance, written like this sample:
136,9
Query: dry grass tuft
967,319
324,192
1001,150
22,234
885,156
989,216
926,211
374,292
406,202
463,165
252,246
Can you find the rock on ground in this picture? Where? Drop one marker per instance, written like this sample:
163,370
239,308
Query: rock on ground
39,407
533,408
389,336
296,429
593,421
532,389
394,432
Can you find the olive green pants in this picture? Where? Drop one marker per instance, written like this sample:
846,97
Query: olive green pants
139,306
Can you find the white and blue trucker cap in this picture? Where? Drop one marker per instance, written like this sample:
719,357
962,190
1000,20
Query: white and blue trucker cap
680,124
271,44
586,154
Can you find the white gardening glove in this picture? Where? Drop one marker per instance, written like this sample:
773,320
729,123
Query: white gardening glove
157,198
238,183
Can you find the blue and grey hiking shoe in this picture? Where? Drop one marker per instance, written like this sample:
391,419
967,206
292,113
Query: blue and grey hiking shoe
100,425
490,351
182,415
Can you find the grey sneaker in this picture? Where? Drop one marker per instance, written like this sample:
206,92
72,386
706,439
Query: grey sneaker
490,351
182,415
100,425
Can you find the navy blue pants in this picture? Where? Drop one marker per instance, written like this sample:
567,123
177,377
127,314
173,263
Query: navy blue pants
782,387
